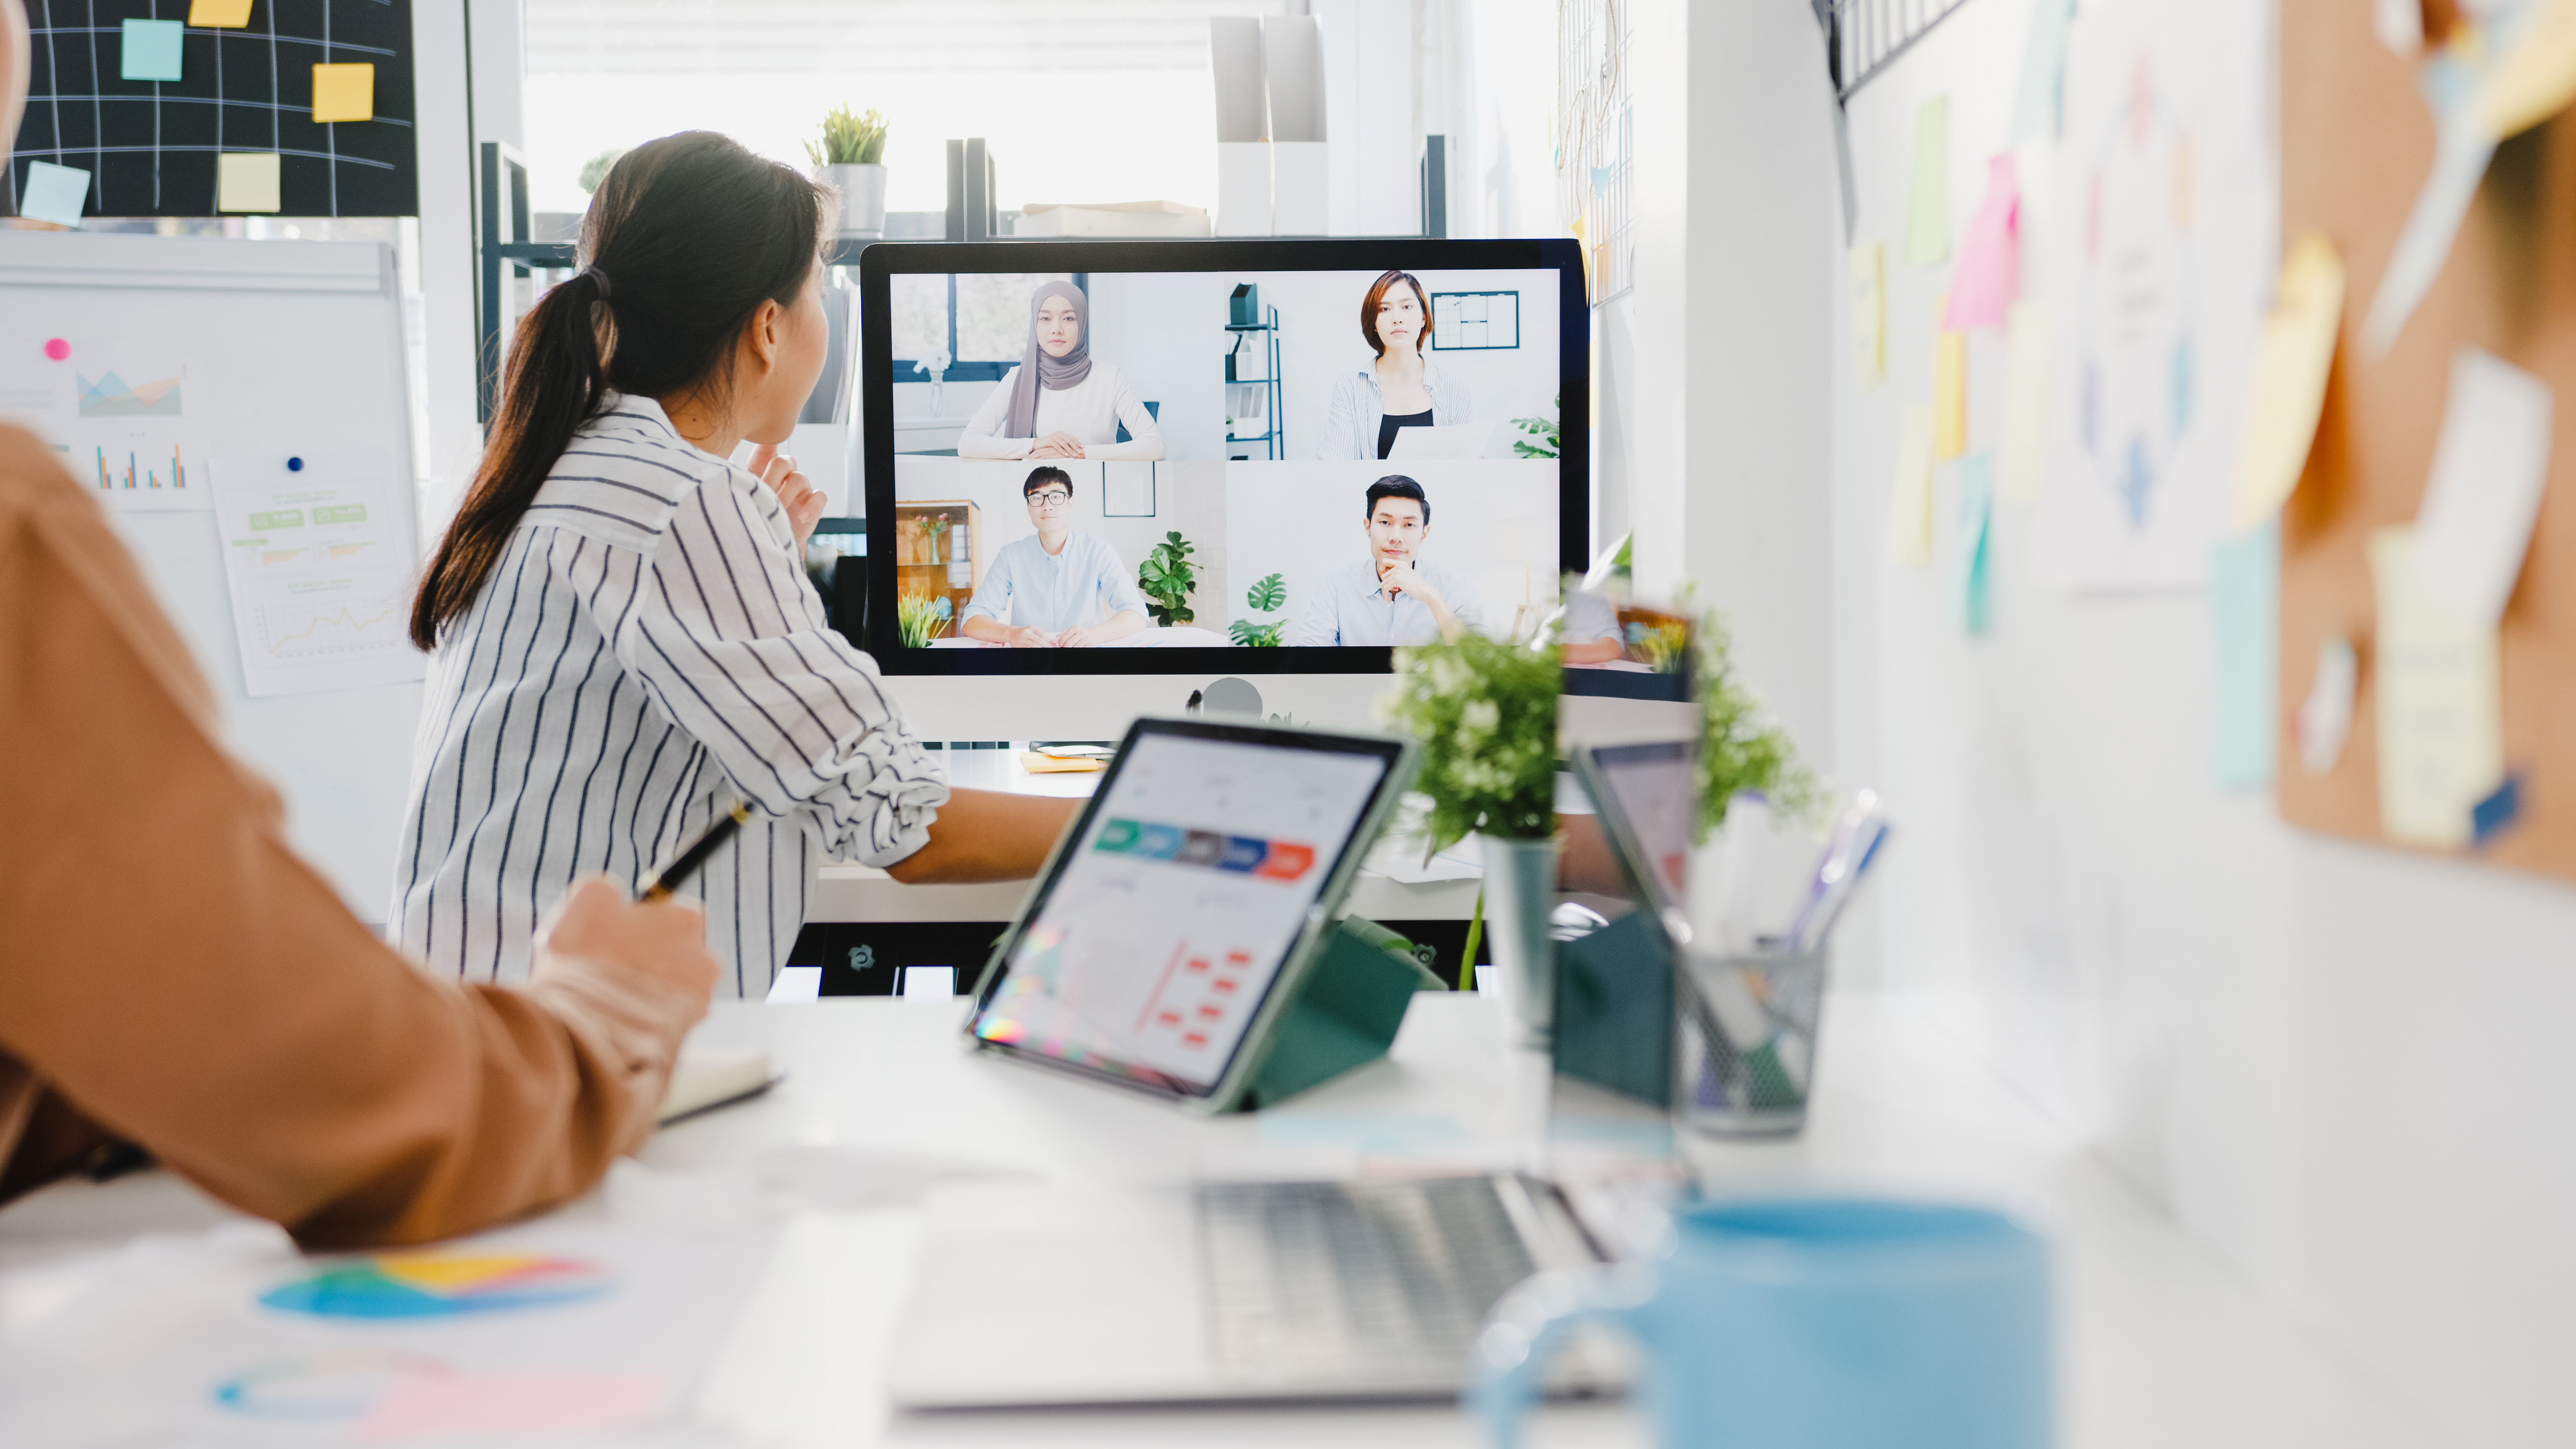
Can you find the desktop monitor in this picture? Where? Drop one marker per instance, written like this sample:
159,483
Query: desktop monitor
1208,413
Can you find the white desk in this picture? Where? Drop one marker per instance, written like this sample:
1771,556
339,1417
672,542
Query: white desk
2160,1346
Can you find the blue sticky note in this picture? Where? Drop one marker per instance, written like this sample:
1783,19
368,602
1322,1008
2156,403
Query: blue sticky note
2245,607
54,193
2491,815
152,49
1975,595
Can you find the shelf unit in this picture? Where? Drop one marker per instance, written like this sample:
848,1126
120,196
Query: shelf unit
1271,439
925,564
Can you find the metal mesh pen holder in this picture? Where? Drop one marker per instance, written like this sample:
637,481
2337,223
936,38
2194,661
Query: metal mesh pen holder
1747,1052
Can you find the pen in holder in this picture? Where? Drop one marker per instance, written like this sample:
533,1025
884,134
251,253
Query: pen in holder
1745,1043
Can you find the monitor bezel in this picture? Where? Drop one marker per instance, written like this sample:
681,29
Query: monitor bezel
881,261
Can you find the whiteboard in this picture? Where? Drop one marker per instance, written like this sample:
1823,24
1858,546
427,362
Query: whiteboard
295,349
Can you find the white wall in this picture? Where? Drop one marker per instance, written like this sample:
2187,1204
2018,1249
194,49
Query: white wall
2340,1067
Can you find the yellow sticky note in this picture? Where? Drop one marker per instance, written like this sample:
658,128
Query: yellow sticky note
344,92
2536,78
219,14
2290,371
246,181
1869,313
1949,388
2440,749
2024,463
1909,509
1927,207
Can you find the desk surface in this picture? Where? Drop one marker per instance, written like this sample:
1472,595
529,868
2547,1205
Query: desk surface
2160,1345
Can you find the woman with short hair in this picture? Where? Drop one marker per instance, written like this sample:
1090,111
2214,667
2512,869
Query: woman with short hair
1403,387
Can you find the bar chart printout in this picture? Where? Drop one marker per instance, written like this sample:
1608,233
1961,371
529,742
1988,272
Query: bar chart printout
319,571
1176,911
131,427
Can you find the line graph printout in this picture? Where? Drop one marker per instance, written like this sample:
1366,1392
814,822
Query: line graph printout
1178,906
320,583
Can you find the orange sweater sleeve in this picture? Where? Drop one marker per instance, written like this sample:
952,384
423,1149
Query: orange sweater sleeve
174,973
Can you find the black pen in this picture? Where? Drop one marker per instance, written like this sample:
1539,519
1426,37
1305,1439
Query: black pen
671,877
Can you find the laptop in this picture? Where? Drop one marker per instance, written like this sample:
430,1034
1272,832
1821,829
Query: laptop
1155,953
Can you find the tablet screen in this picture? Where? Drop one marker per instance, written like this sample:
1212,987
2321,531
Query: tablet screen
1165,926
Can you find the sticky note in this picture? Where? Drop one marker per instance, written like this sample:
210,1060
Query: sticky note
2535,79
1868,263
2489,469
2295,357
2324,721
1988,277
2024,461
151,50
2436,688
1909,507
54,193
2039,112
1949,394
219,14
246,181
1927,212
2461,149
344,92
1973,597
2245,609
2489,817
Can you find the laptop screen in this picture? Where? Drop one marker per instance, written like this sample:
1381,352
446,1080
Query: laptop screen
1649,813
1168,920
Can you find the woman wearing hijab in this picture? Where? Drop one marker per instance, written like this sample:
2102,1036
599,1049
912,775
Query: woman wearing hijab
1057,402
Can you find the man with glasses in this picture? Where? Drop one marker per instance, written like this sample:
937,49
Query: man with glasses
1059,590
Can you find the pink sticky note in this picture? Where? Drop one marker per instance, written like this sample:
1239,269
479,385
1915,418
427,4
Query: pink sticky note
1988,280
57,349
422,1405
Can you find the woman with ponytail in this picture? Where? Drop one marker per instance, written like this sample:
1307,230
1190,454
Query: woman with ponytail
624,640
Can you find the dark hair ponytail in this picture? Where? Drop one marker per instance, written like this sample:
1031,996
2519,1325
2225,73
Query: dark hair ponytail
685,239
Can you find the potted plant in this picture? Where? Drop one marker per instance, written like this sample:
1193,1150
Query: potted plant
917,616
1166,578
847,159
1485,712
1269,596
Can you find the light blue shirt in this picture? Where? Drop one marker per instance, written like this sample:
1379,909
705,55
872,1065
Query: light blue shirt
1028,588
1354,610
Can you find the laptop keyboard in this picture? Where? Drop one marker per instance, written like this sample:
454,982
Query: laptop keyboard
1377,1279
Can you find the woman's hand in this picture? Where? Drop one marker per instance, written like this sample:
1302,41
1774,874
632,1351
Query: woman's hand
666,940
805,502
1058,444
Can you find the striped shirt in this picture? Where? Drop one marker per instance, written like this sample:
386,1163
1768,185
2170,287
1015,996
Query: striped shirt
648,650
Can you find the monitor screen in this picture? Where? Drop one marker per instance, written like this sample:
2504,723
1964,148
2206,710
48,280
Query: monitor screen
1315,450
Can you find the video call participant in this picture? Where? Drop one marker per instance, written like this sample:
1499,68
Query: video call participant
1058,590
1392,596
1589,633
1057,402
1404,387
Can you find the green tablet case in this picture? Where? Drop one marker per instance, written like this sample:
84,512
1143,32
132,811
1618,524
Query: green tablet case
1346,1012
1614,1009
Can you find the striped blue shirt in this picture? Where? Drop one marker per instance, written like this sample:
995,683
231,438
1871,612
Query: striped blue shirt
648,650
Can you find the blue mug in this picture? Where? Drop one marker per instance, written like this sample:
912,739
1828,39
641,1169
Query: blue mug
1807,1324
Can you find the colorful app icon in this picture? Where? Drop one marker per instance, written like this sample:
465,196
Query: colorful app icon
1243,853
1160,842
1203,847
1286,862
1116,836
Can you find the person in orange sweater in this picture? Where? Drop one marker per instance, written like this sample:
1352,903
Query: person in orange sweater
221,1010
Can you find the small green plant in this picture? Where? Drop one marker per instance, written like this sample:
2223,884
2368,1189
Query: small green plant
918,617
1741,748
1543,429
1485,712
595,170
1166,577
849,139
1269,596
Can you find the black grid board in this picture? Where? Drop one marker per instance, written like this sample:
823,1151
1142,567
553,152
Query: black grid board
150,146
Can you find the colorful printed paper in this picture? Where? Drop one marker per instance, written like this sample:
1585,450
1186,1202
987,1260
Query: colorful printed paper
151,50
345,92
1868,263
1973,599
2024,460
2290,373
1927,212
2245,608
54,193
1949,393
438,1285
2489,470
1909,508
1988,277
247,181
2435,681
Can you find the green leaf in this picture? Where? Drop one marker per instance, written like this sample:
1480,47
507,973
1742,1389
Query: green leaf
1267,595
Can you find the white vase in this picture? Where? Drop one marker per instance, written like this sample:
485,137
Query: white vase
863,190
1520,891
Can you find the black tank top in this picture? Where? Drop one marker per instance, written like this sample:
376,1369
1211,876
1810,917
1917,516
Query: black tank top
1388,424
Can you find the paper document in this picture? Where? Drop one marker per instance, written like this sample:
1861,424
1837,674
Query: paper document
321,578
2439,748
2325,716
2023,464
1909,507
1450,440
1927,211
1988,277
1975,596
1868,263
2489,470
1949,393
2296,358
2245,608
129,420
